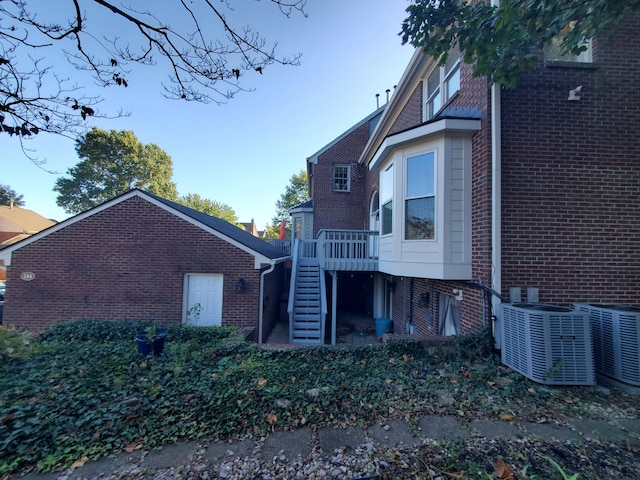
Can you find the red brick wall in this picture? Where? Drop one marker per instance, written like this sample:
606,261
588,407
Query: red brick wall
407,306
341,210
126,262
411,114
571,178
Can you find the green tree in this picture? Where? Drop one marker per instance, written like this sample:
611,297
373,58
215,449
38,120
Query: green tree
111,164
7,194
503,42
295,193
210,207
201,46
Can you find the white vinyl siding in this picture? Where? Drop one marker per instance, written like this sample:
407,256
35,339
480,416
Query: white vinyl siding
431,166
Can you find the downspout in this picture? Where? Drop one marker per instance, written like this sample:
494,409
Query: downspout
496,203
263,274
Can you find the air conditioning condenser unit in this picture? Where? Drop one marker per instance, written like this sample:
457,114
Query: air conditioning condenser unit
616,340
548,344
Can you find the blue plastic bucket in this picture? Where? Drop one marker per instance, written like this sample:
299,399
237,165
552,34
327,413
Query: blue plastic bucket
383,325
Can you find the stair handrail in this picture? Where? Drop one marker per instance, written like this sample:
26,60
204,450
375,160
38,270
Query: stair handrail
292,285
323,303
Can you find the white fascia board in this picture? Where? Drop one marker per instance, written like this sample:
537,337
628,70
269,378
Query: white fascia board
423,132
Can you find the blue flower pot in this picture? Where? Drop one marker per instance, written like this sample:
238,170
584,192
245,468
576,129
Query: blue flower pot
146,346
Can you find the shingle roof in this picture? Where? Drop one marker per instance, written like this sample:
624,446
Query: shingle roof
22,220
225,228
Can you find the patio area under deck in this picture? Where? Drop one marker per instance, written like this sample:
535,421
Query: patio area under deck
352,329
311,298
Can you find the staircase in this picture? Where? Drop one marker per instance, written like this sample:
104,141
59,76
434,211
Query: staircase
307,321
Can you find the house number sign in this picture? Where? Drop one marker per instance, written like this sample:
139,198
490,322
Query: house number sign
27,276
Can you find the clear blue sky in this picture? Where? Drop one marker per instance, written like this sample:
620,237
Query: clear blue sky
244,153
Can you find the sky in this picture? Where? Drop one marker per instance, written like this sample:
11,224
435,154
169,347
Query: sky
243,153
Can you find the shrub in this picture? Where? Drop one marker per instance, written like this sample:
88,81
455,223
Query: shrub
14,344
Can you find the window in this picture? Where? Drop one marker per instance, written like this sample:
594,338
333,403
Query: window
420,198
341,178
386,193
553,52
442,84
297,228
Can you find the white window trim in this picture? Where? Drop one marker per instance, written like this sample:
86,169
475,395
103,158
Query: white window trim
406,157
389,197
552,51
333,178
445,95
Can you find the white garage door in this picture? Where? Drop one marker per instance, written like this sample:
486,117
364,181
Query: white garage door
204,300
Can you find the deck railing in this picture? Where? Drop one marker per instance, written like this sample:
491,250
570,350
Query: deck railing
348,249
283,244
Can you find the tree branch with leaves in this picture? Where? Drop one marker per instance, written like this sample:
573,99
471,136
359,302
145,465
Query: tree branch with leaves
503,41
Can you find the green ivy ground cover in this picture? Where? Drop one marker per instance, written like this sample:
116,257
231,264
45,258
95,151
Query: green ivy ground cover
86,391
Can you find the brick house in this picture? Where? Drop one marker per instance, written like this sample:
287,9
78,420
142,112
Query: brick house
141,257
458,195
17,223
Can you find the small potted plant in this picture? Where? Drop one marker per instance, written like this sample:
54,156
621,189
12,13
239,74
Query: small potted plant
151,339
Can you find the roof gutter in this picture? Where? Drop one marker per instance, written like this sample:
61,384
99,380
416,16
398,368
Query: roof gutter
263,274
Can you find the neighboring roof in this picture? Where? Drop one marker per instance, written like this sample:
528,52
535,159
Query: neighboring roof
250,227
22,220
261,250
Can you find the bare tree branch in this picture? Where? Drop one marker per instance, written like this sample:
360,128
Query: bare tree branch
204,56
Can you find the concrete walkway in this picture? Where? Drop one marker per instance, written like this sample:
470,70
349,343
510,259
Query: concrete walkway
300,443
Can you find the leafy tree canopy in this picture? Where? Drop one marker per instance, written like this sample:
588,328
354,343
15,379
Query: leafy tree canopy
210,207
502,42
7,194
197,45
295,193
113,163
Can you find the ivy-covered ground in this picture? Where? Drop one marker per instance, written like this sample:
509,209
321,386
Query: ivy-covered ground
82,390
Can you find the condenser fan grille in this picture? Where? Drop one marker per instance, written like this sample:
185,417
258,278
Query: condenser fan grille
616,338
548,344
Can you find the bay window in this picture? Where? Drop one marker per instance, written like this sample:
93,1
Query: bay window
420,197
386,195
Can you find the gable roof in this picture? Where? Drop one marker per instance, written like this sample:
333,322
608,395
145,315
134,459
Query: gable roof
263,252
419,65
226,229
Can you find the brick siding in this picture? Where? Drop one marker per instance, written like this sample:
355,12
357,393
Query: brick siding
129,262
341,210
571,178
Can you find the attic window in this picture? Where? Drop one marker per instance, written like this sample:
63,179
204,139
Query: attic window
341,178
553,51
441,84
